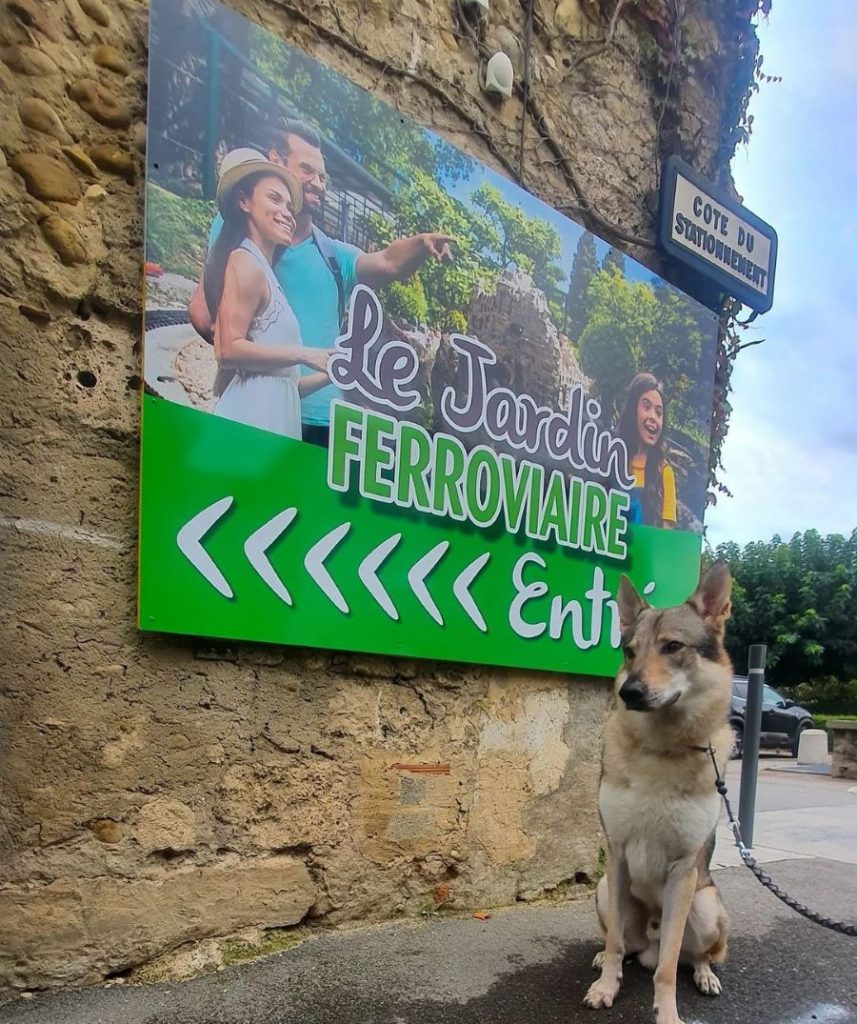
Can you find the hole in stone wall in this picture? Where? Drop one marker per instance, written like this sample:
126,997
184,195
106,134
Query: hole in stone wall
169,855
87,379
122,972
84,309
133,383
581,878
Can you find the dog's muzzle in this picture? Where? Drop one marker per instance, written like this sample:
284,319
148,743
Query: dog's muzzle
634,694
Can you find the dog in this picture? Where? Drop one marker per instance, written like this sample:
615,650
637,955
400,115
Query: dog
657,798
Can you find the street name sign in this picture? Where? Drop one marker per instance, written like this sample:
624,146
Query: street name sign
703,227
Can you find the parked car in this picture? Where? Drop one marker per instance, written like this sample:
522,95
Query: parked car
783,721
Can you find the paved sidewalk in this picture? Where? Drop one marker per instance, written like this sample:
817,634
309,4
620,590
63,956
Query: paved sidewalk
531,964
528,965
798,815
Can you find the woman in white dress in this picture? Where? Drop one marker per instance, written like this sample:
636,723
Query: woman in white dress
257,339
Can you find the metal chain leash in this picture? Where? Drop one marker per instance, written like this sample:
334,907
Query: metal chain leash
764,878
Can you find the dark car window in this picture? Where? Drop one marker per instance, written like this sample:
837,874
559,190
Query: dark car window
770,696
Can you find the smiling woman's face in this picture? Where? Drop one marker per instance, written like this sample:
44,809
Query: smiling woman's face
269,207
650,417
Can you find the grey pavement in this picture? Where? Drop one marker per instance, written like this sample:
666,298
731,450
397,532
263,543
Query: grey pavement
799,814
531,964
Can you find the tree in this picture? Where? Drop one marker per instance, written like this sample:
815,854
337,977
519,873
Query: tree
529,243
800,598
423,205
583,269
614,258
614,342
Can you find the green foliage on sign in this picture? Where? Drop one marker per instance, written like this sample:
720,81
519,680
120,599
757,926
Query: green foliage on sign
632,327
390,149
406,301
177,230
614,258
583,269
490,235
613,343
526,242
446,286
800,598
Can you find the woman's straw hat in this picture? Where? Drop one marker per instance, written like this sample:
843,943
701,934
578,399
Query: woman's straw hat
239,164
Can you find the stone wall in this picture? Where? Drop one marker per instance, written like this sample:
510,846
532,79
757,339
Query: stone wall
155,792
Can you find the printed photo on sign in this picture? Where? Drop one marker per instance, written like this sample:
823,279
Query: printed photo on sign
376,321
280,186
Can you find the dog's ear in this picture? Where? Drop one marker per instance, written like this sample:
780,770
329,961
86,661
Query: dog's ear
712,597
630,603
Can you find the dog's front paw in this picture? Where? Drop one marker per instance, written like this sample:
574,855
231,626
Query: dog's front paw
598,961
667,1017
706,980
601,994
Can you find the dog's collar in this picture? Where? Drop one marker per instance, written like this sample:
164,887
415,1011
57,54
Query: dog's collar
677,752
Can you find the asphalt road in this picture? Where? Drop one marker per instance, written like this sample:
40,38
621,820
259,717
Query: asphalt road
525,965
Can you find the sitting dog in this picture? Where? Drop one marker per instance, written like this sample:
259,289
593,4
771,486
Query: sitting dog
657,799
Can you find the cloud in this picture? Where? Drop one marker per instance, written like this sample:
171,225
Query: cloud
789,457
781,485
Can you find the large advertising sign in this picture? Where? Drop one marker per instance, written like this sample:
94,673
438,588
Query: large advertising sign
393,402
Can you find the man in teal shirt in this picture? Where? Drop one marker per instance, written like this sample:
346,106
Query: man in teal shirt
317,273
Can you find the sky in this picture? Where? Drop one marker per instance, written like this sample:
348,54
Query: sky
791,452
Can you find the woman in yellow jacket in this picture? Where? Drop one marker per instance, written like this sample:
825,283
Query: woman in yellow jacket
642,426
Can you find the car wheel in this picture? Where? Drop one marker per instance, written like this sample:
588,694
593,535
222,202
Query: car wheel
796,741
738,742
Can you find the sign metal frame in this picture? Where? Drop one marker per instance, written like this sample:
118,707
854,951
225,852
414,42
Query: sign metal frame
673,168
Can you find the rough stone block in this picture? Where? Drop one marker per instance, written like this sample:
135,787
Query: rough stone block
47,177
100,104
64,238
844,748
109,57
113,159
39,116
74,930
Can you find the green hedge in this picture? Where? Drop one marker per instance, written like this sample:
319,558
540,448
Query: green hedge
828,695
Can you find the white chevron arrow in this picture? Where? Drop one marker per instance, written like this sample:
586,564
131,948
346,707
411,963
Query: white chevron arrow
258,543
314,564
367,571
461,589
189,537
417,575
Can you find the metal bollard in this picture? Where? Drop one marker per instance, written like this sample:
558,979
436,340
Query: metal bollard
752,728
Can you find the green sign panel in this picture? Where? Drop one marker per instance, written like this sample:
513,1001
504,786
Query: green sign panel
394,403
